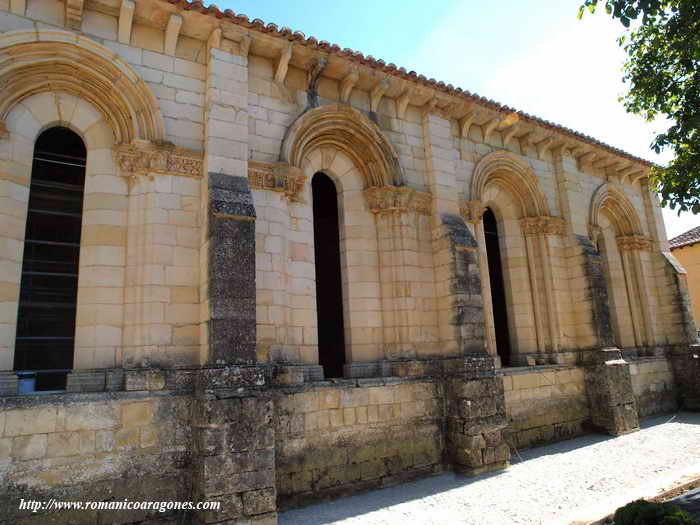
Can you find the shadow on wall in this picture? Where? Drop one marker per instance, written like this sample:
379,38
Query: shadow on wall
354,506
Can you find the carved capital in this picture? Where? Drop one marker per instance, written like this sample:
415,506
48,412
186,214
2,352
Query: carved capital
471,211
634,243
4,132
142,157
542,225
278,177
397,199
594,231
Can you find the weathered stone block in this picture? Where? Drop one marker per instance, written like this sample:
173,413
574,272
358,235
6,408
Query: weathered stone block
354,397
610,393
104,440
231,507
127,438
136,414
92,416
381,395
8,383
30,421
29,447
5,448
259,501
63,444
264,519
373,469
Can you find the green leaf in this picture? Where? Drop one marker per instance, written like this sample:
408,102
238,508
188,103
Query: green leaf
662,75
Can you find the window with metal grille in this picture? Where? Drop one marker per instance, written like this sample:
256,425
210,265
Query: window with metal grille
49,286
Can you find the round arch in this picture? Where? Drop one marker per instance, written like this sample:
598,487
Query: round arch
349,131
515,176
617,208
33,62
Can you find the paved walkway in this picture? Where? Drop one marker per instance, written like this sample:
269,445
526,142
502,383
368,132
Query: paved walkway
552,484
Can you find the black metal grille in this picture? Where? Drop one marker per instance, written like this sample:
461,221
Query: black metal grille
49,286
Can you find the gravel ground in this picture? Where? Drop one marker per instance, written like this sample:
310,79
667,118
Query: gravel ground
541,485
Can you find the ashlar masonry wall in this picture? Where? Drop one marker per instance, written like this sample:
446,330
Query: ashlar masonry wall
335,439
544,405
94,447
654,386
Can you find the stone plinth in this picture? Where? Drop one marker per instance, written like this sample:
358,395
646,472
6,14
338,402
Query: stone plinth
610,394
476,418
234,446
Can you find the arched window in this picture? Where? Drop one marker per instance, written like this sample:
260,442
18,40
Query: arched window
498,292
329,293
49,286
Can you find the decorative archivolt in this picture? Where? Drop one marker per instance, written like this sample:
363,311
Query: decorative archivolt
514,175
349,131
34,61
611,202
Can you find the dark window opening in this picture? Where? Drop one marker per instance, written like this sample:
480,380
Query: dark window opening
49,286
609,320
329,292
498,293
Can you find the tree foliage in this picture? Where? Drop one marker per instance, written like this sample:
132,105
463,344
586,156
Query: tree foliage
643,512
662,71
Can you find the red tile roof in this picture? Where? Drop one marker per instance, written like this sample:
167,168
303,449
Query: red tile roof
392,69
685,239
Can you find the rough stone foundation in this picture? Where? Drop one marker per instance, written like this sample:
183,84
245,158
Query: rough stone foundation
233,436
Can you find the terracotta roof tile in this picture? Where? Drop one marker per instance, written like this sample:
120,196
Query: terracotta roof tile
685,239
297,36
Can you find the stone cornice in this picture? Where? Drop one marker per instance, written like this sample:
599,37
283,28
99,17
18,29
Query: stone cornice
447,100
634,243
143,157
278,177
398,199
543,224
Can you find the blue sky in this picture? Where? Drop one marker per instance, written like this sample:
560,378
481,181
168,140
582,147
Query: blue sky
532,55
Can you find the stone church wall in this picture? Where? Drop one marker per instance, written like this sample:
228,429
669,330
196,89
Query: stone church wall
545,405
334,440
654,386
94,447
196,366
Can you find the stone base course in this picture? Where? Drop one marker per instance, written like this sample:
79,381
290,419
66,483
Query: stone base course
259,442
